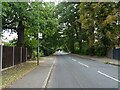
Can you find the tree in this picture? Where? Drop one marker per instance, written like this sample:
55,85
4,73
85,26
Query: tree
14,17
28,19
93,25
67,14
100,26
85,28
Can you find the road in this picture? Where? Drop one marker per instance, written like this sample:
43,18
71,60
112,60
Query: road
71,71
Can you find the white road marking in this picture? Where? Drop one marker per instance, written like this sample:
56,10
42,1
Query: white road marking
108,76
48,76
41,61
83,64
73,59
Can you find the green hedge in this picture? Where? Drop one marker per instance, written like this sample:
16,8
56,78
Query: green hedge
100,51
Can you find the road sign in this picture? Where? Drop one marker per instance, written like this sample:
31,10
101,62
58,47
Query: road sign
40,35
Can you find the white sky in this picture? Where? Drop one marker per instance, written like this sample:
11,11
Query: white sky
7,36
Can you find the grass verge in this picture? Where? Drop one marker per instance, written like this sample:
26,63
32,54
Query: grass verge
9,76
106,62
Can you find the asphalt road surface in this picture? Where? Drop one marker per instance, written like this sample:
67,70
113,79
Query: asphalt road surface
71,71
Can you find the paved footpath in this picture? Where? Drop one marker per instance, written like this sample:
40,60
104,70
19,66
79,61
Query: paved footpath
37,77
101,59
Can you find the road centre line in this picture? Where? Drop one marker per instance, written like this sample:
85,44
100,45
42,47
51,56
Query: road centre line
108,76
83,64
73,59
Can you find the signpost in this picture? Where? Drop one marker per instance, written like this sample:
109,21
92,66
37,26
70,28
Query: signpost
40,36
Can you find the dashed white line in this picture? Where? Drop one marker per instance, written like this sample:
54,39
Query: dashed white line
73,59
83,64
108,76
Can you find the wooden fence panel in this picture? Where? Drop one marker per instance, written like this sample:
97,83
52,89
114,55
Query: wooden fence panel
116,54
24,54
7,59
11,56
17,55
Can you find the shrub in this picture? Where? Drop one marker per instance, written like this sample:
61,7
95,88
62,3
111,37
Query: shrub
100,51
91,51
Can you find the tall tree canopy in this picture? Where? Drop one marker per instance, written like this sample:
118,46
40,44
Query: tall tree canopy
28,19
92,27
78,27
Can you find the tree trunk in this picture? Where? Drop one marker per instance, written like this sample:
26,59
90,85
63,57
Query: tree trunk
72,41
20,33
91,41
76,32
80,37
72,49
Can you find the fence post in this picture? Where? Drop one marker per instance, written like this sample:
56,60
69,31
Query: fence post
112,53
119,54
13,55
20,54
1,51
26,53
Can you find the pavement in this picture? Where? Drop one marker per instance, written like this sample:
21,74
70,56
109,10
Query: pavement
36,78
101,59
71,71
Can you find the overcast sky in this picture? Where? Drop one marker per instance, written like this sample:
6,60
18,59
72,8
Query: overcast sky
7,36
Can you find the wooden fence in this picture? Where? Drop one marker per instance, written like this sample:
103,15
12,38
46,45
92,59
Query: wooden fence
114,54
10,56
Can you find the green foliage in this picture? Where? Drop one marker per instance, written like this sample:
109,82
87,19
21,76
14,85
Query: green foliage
67,14
85,49
34,54
100,51
76,45
91,29
36,17
88,28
